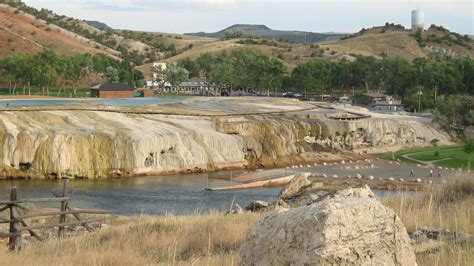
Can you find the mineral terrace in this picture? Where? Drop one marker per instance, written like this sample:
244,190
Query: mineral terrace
197,134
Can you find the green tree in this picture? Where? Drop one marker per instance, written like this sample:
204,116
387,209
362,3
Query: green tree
175,74
223,75
469,150
111,74
189,65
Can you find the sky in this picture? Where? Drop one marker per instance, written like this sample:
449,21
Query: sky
181,16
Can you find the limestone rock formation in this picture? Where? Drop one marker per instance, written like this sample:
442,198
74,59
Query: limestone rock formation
352,227
100,144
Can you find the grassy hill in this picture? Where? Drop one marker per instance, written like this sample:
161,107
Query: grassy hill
26,29
21,32
98,25
262,31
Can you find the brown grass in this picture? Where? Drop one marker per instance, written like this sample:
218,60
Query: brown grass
449,206
208,239
215,239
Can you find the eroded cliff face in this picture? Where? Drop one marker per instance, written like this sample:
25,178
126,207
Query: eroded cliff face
100,144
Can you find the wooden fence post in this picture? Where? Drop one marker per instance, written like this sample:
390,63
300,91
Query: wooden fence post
62,217
15,240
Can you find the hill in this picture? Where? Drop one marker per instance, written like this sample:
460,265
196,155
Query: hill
262,31
98,25
106,39
26,29
395,40
22,32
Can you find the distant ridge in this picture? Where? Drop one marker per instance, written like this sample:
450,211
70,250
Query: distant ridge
97,24
262,31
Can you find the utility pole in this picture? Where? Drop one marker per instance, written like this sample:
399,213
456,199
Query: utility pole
419,100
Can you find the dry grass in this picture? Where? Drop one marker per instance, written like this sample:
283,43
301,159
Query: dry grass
215,239
450,206
397,44
210,239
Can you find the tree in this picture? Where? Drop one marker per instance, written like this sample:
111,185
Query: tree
469,150
223,75
434,142
111,74
175,74
205,62
189,65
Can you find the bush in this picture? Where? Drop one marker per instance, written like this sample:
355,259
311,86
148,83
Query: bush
436,153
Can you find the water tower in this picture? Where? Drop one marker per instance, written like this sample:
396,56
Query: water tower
417,20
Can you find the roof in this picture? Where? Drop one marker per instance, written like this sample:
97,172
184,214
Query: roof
193,84
115,86
374,94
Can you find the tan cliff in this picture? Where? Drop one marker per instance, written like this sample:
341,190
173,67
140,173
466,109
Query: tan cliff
92,144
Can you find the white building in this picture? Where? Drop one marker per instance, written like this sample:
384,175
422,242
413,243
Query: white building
156,80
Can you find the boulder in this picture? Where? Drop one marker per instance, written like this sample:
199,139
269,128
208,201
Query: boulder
237,209
257,205
352,227
297,183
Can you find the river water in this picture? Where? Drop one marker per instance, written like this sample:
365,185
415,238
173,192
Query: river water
153,195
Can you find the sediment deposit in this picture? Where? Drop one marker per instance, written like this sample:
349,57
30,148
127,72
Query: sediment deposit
86,143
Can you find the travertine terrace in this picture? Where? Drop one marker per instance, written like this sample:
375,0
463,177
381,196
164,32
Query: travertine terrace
197,134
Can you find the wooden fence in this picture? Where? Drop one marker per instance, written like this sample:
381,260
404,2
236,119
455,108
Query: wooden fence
18,223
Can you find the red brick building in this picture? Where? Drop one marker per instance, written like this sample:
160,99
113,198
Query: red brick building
113,90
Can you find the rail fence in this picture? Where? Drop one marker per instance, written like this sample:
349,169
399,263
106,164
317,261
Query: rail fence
19,224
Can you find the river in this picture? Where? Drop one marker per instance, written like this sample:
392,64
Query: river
153,195
179,194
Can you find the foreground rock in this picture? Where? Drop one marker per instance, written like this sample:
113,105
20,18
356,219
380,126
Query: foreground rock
352,227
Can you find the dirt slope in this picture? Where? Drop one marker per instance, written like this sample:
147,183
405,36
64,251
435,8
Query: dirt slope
21,32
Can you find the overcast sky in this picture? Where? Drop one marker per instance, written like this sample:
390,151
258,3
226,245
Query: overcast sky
180,16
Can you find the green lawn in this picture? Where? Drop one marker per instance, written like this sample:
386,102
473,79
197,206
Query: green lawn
428,154
398,154
443,154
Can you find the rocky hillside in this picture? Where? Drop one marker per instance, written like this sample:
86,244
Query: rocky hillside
262,31
22,32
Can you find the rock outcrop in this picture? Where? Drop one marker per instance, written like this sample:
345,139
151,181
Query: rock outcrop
100,144
352,227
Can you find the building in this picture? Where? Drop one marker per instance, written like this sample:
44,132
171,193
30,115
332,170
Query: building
388,104
378,102
157,80
195,87
118,90
417,20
